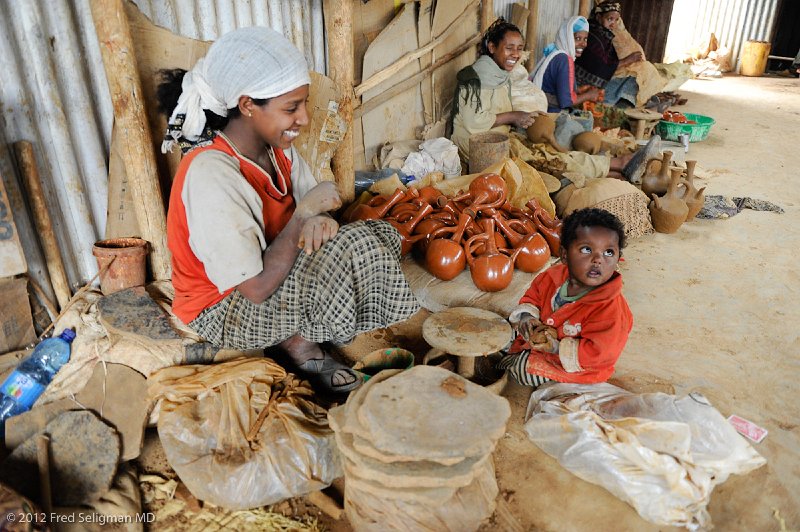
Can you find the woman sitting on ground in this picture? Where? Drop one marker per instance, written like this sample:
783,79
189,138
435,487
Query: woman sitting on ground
482,101
598,62
256,259
555,72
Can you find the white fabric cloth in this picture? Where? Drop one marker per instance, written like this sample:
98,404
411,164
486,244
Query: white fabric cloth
565,44
225,217
257,62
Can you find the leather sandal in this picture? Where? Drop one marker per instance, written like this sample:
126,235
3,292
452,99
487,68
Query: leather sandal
327,372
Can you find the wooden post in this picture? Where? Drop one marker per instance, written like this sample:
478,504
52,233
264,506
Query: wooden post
487,14
116,45
530,33
41,218
583,8
341,69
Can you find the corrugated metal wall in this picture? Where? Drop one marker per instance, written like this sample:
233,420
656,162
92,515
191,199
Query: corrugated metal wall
734,22
54,93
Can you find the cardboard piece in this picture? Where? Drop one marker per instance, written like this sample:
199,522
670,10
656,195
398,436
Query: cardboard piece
325,129
369,19
16,322
444,78
12,259
398,118
115,392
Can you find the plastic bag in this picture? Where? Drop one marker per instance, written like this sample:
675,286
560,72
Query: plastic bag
661,454
434,155
244,433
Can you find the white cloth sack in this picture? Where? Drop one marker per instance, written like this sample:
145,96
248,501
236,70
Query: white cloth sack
435,155
525,95
661,454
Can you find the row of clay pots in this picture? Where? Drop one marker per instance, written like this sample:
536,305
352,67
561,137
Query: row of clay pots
478,227
671,205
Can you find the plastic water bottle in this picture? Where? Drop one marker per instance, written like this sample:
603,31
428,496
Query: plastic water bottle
23,387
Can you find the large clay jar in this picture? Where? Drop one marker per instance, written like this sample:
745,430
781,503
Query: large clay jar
657,183
533,250
406,228
669,212
694,198
445,257
542,131
588,142
485,191
491,271
377,207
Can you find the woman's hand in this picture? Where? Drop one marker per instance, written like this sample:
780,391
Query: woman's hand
315,232
523,119
631,59
322,198
589,95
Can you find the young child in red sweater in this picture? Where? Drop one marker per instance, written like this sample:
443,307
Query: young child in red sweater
573,321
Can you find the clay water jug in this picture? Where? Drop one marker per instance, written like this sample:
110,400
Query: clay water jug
434,221
491,271
478,227
657,183
431,195
533,250
445,257
405,229
378,209
548,226
694,198
485,191
669,211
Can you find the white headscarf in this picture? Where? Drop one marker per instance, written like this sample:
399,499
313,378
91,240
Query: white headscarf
565,44
256,62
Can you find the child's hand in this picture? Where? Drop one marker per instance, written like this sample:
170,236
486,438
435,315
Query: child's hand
527,326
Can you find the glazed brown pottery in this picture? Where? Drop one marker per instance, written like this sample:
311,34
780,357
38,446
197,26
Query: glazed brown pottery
657,183
542,132
480,226
669,212
485,191
405,229
491,271
431,195
368,211
533,250
694,198
445,257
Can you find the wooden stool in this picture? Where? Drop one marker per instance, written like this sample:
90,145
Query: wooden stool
467,333
642,121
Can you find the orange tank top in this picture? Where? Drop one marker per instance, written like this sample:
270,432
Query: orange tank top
194,292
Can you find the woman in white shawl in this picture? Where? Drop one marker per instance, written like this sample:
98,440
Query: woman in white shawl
256,259
555,72
482,99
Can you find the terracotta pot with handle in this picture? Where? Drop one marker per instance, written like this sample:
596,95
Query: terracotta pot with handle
491,271
445,257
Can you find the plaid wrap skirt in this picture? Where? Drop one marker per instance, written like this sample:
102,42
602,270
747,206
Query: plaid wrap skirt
351,285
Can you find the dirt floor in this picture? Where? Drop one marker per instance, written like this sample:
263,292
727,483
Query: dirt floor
716,310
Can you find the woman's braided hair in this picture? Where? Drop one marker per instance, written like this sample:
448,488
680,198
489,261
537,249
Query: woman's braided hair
495,33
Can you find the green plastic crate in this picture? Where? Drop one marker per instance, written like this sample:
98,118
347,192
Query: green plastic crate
697,132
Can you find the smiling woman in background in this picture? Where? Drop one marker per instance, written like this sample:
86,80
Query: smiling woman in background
555,72
483,94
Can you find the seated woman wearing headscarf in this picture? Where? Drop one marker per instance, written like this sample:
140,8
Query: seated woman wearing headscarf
256,259
598,62
555,72
482,101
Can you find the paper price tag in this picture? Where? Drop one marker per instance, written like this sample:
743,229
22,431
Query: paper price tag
748,429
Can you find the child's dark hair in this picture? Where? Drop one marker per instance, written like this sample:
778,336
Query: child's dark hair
495,33
169,90
590,218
